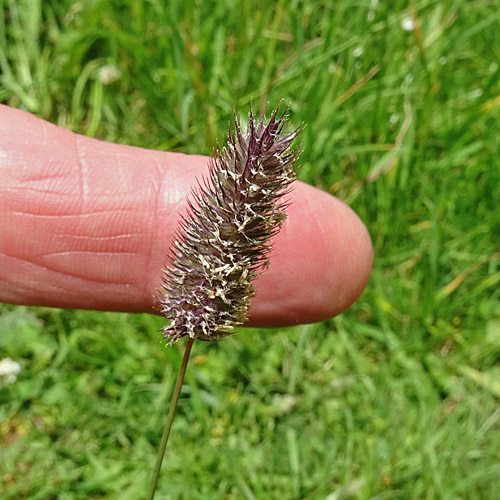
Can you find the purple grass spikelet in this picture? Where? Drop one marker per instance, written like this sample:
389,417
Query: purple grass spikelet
224,240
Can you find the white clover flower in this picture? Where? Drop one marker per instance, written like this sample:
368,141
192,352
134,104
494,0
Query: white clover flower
109,74
8,371
407,23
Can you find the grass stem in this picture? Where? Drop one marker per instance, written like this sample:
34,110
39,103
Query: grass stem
170,418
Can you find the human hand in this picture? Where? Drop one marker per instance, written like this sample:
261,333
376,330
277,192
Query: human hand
87,224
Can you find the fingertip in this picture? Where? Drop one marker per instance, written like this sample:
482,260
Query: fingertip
351,259
321,262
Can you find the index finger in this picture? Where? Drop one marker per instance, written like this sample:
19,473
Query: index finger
87,224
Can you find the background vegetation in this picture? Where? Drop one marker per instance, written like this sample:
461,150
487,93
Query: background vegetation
398,397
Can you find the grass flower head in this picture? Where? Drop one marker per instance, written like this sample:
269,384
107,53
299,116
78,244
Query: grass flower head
224,240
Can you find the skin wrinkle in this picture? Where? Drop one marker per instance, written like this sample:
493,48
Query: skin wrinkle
43,126
156,182
56,271
114,264
13,285
43,191
70,195
63,263
93,239
82,169
90,252
77,215
118,245
41,178
43,268
109,265
30,291
94,245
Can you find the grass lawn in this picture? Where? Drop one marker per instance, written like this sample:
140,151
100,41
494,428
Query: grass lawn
399,397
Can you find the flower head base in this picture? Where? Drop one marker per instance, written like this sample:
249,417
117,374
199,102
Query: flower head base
225,238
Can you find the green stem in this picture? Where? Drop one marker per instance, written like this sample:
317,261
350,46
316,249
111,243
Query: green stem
170,418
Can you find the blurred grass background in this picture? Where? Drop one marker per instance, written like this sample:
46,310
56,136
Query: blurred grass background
398,398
